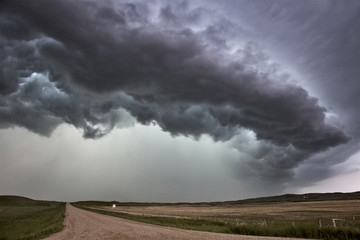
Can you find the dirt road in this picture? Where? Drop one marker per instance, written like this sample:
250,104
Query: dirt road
81,224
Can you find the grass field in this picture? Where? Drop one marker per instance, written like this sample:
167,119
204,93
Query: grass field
285,216
24,218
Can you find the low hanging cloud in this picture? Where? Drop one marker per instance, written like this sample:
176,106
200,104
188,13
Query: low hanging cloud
100,66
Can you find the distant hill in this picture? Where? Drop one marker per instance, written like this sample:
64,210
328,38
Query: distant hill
7,200
15,200
308,197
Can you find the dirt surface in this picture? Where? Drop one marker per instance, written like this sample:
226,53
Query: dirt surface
81,224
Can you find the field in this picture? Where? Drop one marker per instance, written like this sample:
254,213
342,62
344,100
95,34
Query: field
24,218
253,213
285,216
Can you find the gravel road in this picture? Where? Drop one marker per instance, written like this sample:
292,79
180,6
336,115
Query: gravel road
81,224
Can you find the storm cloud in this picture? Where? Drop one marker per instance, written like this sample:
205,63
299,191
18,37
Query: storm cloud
104,65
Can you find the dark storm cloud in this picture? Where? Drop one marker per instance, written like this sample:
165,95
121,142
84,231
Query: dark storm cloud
263,161
320,39
92,61
40,106
323,165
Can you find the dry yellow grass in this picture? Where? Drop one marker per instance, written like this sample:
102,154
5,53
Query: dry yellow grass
255,212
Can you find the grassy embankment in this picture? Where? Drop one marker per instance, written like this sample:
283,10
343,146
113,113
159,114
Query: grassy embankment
24,218
282,216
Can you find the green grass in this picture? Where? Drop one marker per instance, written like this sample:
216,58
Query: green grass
303,230
23,218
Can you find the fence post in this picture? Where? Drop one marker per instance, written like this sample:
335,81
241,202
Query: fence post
320,223
334,223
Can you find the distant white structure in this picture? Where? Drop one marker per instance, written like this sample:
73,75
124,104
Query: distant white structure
114,205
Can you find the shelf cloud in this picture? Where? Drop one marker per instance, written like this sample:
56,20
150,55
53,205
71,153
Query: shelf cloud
100,65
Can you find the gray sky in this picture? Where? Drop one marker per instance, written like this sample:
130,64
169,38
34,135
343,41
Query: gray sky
178,100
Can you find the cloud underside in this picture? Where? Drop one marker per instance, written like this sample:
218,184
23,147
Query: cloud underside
101,67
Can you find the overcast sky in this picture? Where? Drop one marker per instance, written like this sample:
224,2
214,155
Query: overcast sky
178,100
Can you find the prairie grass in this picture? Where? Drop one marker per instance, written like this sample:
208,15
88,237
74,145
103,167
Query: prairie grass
275,229
23,219
284,216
